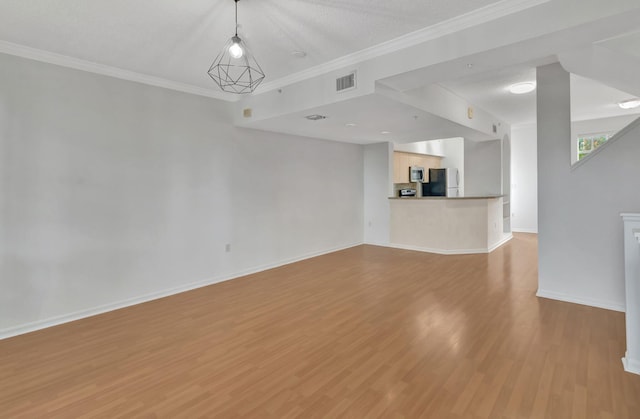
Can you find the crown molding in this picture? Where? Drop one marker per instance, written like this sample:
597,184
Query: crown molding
447,27
105,70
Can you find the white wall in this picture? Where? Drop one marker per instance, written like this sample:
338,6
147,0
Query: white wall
580,230
453,150
378,187
112,192
524,170
482,167
524,179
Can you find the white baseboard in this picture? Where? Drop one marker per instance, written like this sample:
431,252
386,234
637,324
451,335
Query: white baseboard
631,365
609,305
373,243
446,251
66,318
504,239
525,230
437,251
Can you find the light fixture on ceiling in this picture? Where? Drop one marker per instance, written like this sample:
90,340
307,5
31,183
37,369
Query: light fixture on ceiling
522,88
315,117
385,132
235,69
629,104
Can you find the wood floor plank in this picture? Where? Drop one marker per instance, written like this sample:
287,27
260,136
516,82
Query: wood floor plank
364,332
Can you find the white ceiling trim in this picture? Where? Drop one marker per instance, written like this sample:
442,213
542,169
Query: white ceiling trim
105,70
458,23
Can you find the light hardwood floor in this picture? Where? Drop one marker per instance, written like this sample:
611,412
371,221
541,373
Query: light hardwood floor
366,332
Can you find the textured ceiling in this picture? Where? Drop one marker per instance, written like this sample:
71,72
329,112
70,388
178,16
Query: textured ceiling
178,40
589,99
369,119
490,91
627,44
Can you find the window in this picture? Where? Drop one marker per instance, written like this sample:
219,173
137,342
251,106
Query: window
589,142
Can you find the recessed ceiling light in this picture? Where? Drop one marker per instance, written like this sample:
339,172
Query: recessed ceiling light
629,104
521,88
315,117
299,54
350,124
385,132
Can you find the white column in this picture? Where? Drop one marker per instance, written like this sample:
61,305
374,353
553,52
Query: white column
631,360
556,269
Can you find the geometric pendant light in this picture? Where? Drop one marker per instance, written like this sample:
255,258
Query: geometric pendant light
235,69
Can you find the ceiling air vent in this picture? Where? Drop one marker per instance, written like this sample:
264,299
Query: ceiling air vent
347,82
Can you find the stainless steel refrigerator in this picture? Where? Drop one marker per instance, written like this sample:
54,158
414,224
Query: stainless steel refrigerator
444,182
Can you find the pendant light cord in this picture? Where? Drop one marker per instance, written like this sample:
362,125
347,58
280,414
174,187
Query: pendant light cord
237,16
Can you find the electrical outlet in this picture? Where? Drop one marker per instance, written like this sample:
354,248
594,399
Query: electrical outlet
227,247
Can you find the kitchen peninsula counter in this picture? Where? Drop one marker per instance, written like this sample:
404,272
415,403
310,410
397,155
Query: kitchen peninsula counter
447,225
448,197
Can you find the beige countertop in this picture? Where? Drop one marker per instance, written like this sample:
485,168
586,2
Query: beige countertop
447,197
